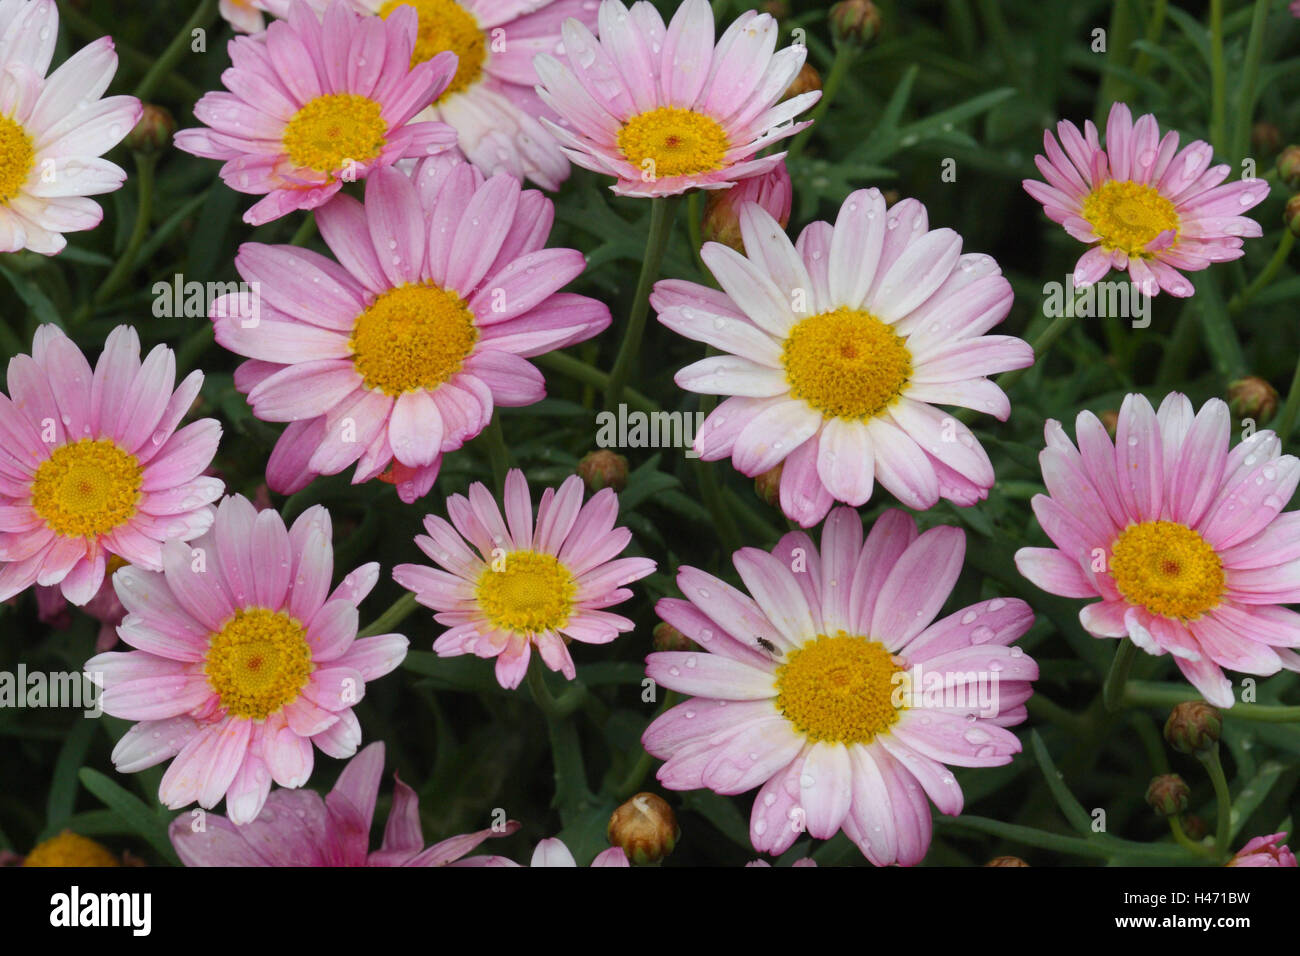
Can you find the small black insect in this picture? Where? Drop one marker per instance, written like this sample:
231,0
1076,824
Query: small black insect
765,644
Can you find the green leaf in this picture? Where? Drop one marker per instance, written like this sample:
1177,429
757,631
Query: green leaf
144,822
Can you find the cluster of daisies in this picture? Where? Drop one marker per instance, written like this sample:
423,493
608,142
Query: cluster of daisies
832,352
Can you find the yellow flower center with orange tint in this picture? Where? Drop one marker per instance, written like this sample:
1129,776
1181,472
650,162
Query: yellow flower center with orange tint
412,338
258,662
17,158
87,488
671,141
446,26
846,363
70,849
335,130
1167,568
1126,215
526,592
838,688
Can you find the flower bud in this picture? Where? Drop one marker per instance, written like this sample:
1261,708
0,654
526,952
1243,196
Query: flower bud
153,133
1193,727
1110,420
1291,214
768,486
855,22
1167,795
665,637
1195,827
645,828
808,81
1252,397
1264,851
1265,138
1288,167
70,849
772,191
1006,861
603,469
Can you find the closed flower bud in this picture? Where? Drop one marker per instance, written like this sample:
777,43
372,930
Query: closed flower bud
1252,397
1195,827
1193,727
768,486
645,827
665,637
603,469
153,133
808,81
1288,166
1291,214
1266,138
772,191
1167,795
855,22
1006,861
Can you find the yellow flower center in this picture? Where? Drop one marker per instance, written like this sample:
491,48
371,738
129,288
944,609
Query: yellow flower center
671,141
446,26
846,363
335,130
17,157
1127,215
838,688
529,594
258,662
87,488
70,849
412,338
1167,568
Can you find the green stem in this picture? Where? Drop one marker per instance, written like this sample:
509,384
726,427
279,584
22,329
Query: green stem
1155,25
131,58
1242,298
1249,80
203,17
1222,797
845,54
631,782
498,452
1112,691
1095,847
397,612
304,232
126,262
580,371
1286,421
1041,344
695,232
1218,78
571,790
1119,38
1184,840
662,210
1152,694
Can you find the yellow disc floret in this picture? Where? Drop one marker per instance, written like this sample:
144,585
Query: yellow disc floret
412,338
671,141
846,363
87,488
70,849
258,662
838,688
334,130
1126,215
17,157
1167,568
526,592
447,26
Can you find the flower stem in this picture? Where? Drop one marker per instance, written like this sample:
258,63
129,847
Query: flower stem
1184,840
1153,694
1041,344
1222,797
1269,273
498,452
1286,421
1249,80
580,371
1218,78
144,167
305,231
1113,690
662,210
845,54
397,612
202,18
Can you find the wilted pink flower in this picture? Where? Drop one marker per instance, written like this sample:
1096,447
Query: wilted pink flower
298,828
1141,204
1180,537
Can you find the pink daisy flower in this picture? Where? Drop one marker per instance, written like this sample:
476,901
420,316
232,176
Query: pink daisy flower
298,828
1141,204
53,130
1264,851
837,348
314,104
832,690
1181,538
400,351
245,16
92,464
661,109
531,584
243,659
104,607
